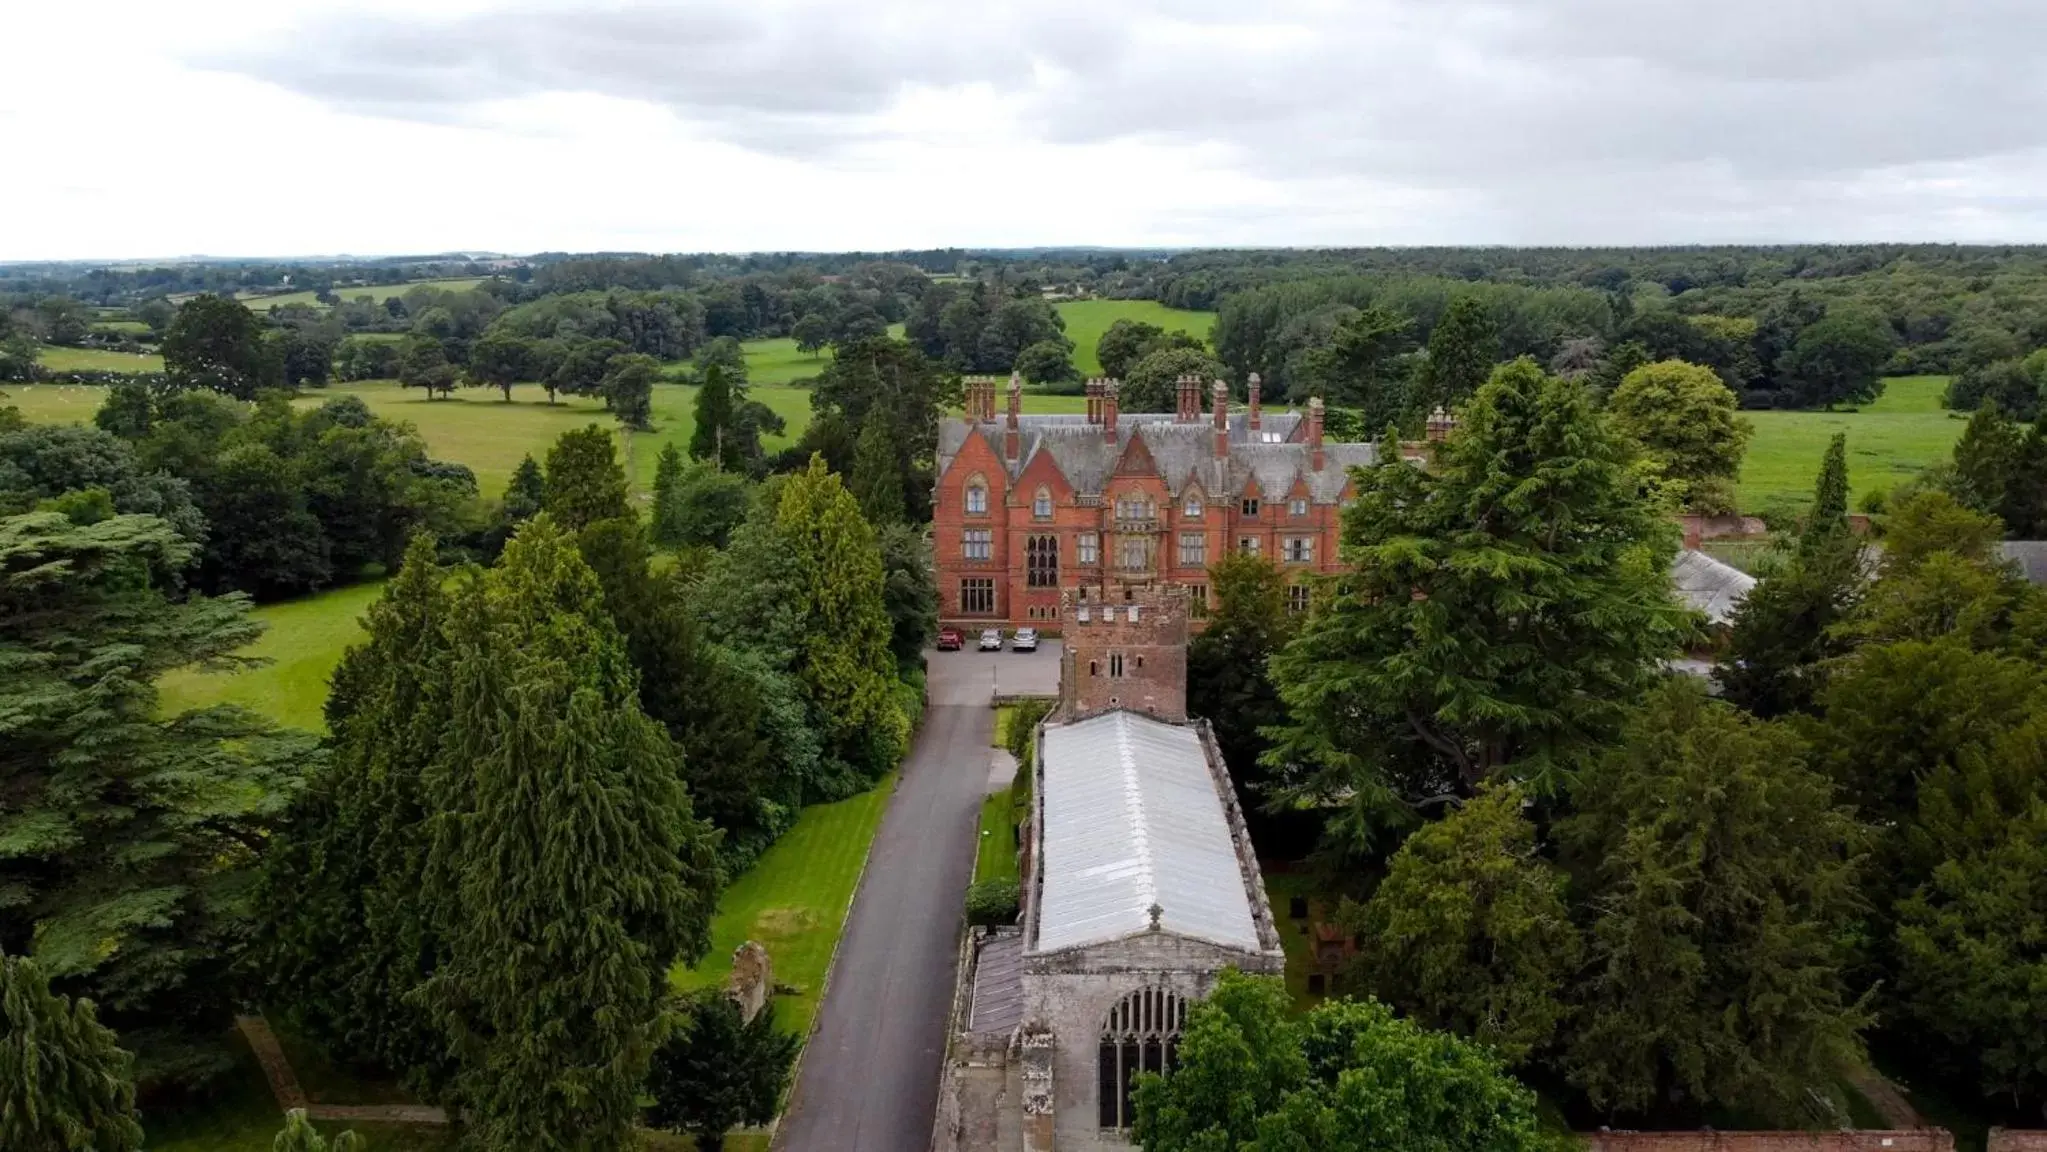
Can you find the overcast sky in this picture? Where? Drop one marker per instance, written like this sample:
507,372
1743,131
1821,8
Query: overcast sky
280,127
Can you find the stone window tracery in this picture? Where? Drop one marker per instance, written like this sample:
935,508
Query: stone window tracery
1141,1034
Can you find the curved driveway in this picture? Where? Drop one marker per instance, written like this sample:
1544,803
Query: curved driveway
869,1081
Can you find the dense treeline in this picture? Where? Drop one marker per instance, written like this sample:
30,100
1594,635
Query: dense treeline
578,744
1662,907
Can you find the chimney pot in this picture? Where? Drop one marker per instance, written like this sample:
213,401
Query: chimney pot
1253,388
1109,410
1220,402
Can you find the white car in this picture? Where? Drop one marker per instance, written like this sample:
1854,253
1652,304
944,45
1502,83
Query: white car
1026,640
991,640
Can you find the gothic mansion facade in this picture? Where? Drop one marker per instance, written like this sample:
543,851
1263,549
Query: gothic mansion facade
1029,505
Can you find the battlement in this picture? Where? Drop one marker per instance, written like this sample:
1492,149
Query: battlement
1124,648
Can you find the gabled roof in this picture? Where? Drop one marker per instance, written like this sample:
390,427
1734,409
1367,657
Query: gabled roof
1180,452
2028,556
1709,586
1132,819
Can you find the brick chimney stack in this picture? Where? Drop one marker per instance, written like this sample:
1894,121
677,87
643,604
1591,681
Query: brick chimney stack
1315,455
1109,411
1253,420
1012,437
1190,400
1220,401
1094,400
1440,424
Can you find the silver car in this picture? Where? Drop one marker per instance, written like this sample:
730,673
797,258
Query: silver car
991,640
1026,640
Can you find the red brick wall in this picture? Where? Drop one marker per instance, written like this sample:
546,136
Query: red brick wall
1153,649
2017,1140
1914,1140
1010,517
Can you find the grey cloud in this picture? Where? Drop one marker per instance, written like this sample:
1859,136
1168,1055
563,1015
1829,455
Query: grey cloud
1742,118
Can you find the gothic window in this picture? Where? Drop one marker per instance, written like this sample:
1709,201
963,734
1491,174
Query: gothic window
1135,507
977,543
977,596
1142,1034
1041,561
1193,506
1193,550
1087,548
1041,504
977,497
1116,665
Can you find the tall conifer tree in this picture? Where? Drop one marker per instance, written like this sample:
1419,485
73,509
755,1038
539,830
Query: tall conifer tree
584,482
65,1083
667,528
567,869
877,479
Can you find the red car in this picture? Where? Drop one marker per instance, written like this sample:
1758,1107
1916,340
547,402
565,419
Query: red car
950,640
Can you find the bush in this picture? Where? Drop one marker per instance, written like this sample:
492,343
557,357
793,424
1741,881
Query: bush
1023,726
994,902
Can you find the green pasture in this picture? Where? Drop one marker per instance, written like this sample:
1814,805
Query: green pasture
58,359
305,641
674,421
794,901
54,403
475,426
1086,320
1888,441
124,327
259,302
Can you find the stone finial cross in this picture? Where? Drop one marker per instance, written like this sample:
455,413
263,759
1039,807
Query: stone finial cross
1155,912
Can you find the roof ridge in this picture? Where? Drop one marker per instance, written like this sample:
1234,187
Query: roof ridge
1133,794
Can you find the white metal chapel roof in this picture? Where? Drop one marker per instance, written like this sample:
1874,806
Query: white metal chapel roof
1132,819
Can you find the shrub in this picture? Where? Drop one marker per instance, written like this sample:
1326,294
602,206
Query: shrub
994,902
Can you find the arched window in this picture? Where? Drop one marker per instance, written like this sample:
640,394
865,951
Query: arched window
1041,560
1041,504
977,496
1142,1034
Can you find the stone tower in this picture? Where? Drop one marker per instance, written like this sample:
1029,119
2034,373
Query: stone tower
1124,648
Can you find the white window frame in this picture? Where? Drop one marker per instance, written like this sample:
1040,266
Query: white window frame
977,498
1193,550
1193,508
1300,549
1249,546
1041,504
1298,506
1087,549
977,544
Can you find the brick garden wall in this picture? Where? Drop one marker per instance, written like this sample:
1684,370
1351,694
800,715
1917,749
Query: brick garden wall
1913,1140
2017,1140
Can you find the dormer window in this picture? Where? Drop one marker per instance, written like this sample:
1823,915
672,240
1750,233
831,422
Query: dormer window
1041,504
1298,506
1193,510
977,497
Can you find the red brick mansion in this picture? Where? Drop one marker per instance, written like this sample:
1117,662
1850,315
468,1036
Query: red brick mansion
1029,505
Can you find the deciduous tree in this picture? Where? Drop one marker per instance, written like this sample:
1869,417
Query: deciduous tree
1687,422
1836,360
1348,1077
1152,384
216,343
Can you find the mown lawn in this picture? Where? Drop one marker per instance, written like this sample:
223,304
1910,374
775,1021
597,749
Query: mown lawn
675,420
1086,320
794,902
1888,441
995,858
58,359
304,643
54,403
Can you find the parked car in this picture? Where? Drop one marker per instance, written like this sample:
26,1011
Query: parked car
950,640
991,640
1026,640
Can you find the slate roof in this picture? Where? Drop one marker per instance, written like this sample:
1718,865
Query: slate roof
1132,819
1708,585
997,1004
1184,452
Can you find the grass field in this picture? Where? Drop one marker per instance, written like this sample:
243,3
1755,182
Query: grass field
1086,320
305,641
97,360
380,293
54,403
1888,441
675,420
124,327
995,858
794,902
476,426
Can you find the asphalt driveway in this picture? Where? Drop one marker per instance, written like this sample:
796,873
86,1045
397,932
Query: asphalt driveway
870,1075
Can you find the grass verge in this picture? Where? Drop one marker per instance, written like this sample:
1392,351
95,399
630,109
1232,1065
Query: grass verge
794,901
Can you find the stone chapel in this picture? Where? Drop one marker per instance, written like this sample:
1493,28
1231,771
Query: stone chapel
1139,889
